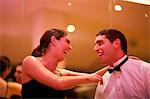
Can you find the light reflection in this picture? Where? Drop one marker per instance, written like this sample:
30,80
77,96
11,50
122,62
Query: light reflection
69,4
118,8
70,28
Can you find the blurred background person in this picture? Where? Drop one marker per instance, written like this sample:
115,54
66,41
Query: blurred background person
7,89
18,73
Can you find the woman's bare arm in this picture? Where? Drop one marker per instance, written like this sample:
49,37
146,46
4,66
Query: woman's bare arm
102,71
35,70
66,72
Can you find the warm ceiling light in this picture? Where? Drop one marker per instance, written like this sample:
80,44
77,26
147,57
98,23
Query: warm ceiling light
118,8
70,28
146,15
69,4
146,2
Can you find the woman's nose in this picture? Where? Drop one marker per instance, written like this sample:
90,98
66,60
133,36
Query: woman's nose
70,47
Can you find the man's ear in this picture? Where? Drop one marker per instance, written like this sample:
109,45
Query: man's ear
53,40
117,43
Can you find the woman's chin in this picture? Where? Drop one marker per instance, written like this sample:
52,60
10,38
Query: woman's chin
61,59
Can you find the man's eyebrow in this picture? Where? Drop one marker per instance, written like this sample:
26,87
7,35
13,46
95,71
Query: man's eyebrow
98,41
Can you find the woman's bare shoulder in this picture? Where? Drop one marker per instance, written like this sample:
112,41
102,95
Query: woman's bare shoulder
27,58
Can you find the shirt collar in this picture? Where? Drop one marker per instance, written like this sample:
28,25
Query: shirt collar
119,61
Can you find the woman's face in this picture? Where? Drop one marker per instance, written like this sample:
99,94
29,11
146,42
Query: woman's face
7,72
63,47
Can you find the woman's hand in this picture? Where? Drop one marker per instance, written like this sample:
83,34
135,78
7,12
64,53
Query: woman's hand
95,78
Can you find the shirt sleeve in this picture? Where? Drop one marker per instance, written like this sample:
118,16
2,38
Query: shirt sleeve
147,78
148,83
148,88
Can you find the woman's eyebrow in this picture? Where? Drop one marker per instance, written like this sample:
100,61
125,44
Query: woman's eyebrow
68,41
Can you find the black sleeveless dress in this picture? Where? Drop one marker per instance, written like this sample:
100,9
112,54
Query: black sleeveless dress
34,89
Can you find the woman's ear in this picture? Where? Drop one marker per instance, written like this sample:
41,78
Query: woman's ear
53,40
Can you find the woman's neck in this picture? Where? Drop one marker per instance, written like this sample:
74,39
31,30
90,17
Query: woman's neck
49,62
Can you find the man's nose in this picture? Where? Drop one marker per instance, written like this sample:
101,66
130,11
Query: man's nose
96,48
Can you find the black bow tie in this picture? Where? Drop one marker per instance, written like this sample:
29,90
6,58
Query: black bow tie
117,68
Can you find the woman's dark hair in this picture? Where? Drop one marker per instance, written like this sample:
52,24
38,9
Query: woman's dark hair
4,64
113,34
46,39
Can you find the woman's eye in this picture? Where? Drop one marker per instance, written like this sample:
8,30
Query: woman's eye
68,41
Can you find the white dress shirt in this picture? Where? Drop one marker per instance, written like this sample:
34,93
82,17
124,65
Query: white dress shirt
132,82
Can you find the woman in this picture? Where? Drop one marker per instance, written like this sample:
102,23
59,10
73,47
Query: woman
41,79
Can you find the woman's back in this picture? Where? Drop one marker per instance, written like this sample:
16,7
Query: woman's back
3,88
34,89
8,89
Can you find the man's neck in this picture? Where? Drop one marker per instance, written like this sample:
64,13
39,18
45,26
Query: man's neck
117,57
119,60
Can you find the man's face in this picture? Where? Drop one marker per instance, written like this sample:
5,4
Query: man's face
104,49
18,74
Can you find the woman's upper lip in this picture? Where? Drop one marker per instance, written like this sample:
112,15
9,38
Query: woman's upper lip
66,52
100,53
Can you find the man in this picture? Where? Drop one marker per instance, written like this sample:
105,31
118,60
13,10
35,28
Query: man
127,78
18,73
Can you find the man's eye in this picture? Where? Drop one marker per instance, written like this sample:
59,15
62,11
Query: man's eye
99,43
